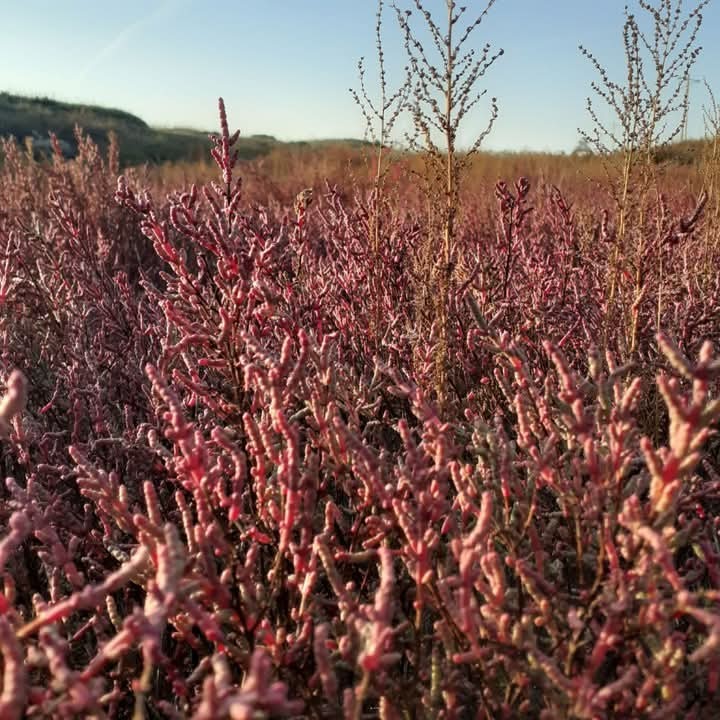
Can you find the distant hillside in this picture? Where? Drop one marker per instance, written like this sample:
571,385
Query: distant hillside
683,152
24,117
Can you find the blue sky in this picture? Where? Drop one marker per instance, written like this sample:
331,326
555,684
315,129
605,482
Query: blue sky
284,66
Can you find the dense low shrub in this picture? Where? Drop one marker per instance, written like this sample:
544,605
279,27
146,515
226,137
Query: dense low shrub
231,492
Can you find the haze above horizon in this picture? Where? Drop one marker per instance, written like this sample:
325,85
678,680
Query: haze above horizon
284,67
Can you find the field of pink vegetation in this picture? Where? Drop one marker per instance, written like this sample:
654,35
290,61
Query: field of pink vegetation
253,468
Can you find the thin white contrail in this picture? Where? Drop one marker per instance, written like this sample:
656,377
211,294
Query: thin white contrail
124,35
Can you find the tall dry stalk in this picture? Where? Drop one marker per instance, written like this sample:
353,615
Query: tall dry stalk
710,169
380,117
444,82
649,109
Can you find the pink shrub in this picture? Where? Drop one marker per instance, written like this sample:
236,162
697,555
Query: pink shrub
231,493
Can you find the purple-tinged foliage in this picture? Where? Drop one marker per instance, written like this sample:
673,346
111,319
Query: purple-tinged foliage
231,494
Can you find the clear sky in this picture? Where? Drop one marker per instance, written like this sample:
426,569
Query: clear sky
284,66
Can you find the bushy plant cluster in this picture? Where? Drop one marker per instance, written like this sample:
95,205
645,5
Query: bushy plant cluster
233,488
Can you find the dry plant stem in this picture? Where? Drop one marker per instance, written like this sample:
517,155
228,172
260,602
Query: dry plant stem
711,175
444,93
360,695
650,108
449,217
380,116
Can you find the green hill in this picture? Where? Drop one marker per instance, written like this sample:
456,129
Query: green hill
28,117
24,117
